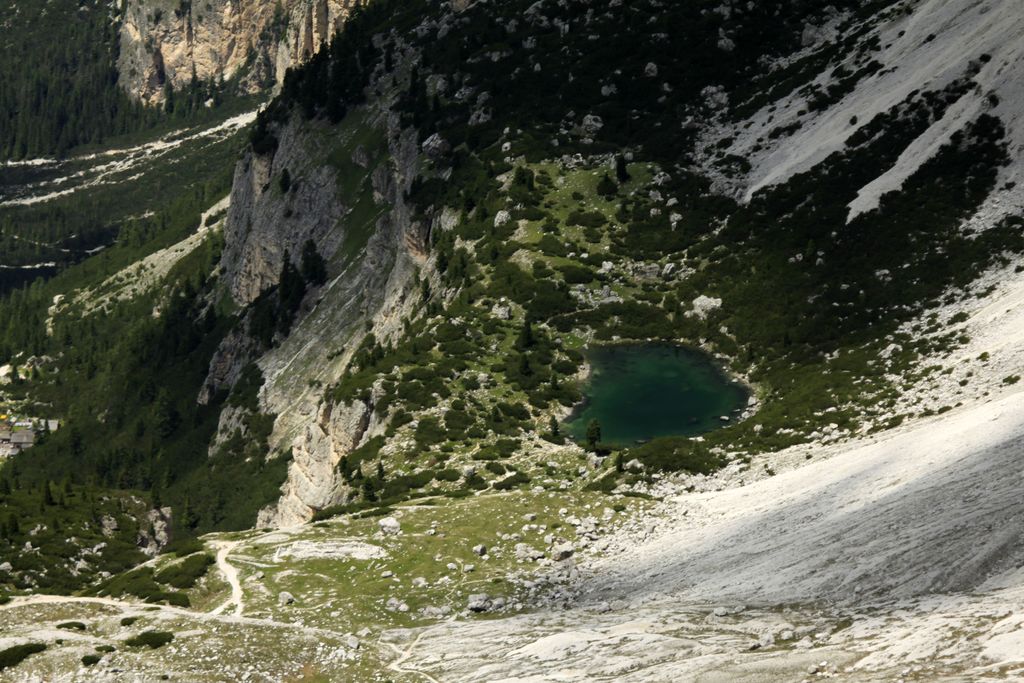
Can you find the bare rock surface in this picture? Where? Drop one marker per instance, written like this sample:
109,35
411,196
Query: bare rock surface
164,43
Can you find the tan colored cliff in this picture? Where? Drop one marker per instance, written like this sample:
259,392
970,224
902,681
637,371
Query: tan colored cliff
256,41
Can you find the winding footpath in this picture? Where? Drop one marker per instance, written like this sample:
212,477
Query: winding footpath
230,573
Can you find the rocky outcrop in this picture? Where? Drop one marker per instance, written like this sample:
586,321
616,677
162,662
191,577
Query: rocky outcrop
375,250
227,364
154,531
268,218
379,289
173,42
314,481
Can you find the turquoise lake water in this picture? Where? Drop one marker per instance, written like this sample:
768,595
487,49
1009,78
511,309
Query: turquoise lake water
642,391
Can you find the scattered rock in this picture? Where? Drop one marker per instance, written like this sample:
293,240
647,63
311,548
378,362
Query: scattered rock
285,598
479,602
703,305
432,612
390,525
592,123
108,525
562,551
527,553
436,146
360,157
396,605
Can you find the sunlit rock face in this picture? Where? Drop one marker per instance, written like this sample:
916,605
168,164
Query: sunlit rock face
165,42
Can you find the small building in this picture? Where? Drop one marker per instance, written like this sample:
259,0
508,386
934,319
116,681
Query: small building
52,425
23,439
5,436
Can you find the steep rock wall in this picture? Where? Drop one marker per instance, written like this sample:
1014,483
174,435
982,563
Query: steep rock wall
165,41
371,286
265,221
378,290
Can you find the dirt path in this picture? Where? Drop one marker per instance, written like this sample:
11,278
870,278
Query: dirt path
230,573
128,605
403,655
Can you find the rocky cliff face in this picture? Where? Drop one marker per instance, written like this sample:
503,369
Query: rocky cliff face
314,481
347,193
165,41
265,221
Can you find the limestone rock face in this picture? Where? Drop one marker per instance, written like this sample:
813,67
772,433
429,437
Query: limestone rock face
314,481
154,533
372,289
258,40
264,222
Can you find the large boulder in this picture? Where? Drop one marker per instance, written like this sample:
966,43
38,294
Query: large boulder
562,551
390,526
479,602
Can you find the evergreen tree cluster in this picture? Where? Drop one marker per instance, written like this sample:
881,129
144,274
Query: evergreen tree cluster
335,78
59,81
276,308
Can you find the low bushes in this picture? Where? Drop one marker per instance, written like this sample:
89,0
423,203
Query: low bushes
447,475
182,547
511,481
72,626
673,454
150,639
13,656
185,573
143,584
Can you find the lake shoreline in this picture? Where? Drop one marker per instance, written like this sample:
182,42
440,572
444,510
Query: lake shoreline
728,380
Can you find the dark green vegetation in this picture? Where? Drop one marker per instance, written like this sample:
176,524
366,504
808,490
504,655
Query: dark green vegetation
184,574
13,656
150,639
72,626
127,384
123,382
58,81
60,92
807,300
129,215
275,310
156,587
55,513
640,392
